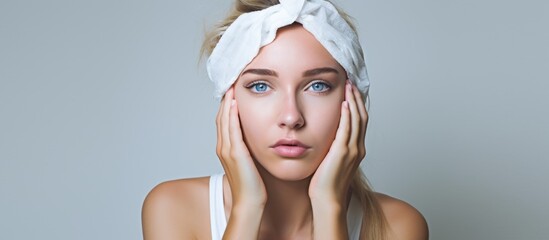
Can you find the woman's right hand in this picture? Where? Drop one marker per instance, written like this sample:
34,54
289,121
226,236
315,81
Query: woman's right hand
247,188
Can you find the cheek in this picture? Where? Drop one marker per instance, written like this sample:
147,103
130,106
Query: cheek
253,119
324,120
248,122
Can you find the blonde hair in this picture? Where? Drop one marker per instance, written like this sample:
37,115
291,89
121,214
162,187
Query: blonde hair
375,223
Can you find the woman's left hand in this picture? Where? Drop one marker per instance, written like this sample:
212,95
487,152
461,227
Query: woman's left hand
332,180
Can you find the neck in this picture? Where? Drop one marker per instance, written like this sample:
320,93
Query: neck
288,209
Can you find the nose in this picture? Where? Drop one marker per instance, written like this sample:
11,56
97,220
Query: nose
290,115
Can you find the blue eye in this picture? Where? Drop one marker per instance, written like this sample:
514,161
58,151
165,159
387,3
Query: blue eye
259,87
319,87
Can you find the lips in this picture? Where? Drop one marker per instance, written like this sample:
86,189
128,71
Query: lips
290,148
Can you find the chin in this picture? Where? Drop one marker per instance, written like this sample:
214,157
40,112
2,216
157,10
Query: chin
290,170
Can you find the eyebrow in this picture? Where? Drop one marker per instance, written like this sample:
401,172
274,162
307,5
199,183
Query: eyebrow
260,71
317,71
308,73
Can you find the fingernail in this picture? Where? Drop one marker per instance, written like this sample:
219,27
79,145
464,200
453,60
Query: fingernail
233,102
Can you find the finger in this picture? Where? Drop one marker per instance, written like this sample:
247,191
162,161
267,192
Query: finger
225,118
218,126
355,115
361,105
342,133
235,131
363,118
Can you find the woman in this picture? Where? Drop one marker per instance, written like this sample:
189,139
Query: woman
290,136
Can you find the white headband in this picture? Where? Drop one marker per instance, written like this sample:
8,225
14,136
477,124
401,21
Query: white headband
241,42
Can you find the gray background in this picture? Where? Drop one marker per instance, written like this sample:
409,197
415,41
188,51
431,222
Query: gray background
101,100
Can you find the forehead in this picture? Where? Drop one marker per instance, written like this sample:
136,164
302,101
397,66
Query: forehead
294,48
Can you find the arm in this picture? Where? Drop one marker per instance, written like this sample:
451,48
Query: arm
244,222
329,221
331,182
247,189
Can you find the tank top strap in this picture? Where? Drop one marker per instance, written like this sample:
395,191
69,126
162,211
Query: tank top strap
218,220
354,218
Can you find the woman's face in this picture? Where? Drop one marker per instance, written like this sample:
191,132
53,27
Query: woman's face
289,101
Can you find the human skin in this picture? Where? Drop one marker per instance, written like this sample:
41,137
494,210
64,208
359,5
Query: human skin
293,90
291,106
267,196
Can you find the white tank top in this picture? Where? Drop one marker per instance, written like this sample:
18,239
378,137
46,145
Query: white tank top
218,220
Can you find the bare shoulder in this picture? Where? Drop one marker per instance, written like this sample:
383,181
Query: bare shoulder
177,209
405,221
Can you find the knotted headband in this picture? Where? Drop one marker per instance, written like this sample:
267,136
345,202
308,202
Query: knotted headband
241,42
